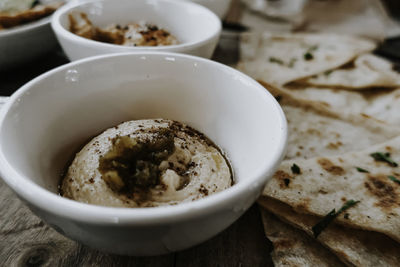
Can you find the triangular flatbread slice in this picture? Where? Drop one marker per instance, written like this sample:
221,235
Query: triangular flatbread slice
371,176
283,58
312,133
354,247
292,247
379,104
315,130
368,71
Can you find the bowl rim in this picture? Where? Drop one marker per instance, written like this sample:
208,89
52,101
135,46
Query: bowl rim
26,27
223,6
40,197
60,30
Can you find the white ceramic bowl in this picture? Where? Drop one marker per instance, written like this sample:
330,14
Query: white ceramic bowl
219,7
196,27
23,43
49,118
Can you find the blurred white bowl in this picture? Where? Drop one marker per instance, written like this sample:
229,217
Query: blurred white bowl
23,43
47,120
219,7
196,28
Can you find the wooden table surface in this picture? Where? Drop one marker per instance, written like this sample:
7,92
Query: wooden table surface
25,240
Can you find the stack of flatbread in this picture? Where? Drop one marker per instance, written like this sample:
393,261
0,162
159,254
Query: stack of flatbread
335,199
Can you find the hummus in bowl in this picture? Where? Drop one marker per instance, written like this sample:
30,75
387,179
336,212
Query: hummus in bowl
130,34
194,28
146,163
230,108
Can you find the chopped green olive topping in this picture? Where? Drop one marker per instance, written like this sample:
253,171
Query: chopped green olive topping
276,60
133,164
321,225
385,157
295,169
361,170
308,56
35,3
394,179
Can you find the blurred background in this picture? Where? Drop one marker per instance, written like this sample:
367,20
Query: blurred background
371,18
375,19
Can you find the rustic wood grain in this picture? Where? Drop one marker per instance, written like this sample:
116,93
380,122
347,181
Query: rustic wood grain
27,241
242,244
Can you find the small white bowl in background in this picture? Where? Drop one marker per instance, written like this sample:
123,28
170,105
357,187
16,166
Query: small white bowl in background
23,43
196,27
45,122
219,7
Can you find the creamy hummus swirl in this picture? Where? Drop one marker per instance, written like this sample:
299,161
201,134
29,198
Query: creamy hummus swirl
191,168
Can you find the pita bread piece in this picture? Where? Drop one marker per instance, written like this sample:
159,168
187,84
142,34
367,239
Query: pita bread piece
282,58
319,185
378,104
312,133
368,71
354,247
292,247
316,130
